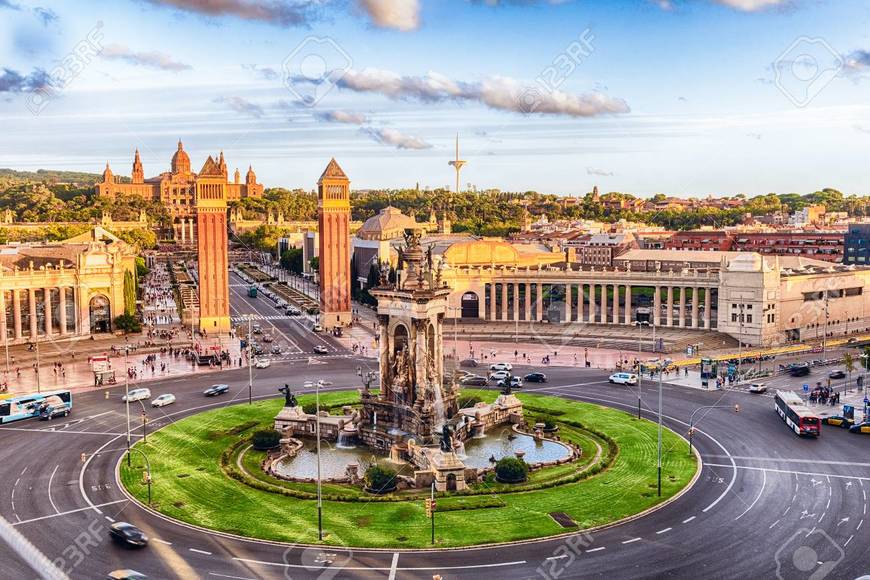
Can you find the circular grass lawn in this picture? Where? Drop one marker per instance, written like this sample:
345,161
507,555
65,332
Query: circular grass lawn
618,480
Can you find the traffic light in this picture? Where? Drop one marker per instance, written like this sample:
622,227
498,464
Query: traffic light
428,508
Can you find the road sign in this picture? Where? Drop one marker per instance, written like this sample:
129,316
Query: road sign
806,387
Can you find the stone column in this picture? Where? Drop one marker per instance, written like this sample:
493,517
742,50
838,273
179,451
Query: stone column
539,302
3,316
492,304
527,313
516,301
46,294
580,303
708,307
481,304
670,313
34,329
192,238
183,230
593,305
616,304
504,301
568,303
695,297
682,314
628,304
657,306
16,313
62,305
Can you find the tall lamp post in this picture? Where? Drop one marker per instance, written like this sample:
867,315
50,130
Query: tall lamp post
250,369
127,398
319,489
640,325
661,369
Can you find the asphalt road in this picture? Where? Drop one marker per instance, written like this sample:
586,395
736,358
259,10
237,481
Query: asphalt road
764,497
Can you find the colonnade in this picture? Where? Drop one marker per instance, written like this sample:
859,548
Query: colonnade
46,311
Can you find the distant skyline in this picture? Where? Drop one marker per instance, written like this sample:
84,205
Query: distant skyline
682,97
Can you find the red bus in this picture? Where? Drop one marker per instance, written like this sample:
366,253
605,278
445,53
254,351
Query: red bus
796,415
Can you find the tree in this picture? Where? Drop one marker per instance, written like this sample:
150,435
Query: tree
849,363
128,323
292,259
266,439
315,263
129,293
380,479
511,470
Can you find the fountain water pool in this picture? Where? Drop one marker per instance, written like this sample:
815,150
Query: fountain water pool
498,443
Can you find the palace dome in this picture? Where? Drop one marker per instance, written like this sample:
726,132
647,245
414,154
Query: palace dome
388,224
180,160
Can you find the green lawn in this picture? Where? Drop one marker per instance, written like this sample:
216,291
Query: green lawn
190,485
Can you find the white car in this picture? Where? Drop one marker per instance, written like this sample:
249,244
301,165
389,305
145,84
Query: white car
757,388
501,367
499,375
623,379
262,363
137,395
163,400
317,328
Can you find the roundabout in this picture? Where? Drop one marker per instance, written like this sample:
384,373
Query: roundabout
205,473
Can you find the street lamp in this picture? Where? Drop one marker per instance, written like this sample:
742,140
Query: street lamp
147,469
639,324
127,398
319,489
692,419
659,470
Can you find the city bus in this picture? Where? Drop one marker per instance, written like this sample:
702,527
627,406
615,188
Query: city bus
800,419
19,407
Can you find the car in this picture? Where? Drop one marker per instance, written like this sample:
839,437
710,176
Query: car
623,379
861,428
469,363
317,328
163,400
499,375
128,534
262,363
126,574
837,374
799,370
257,329
535,378
137,395
516,383
48,411
216,390
473,381
838,421
268,338
501,367
757,388
320,349
276,349
293,311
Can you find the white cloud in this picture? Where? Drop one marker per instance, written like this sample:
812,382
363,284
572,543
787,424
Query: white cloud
273,12
349,117
596,171
401,15
497,92
752,5
395,138
151,59
241,106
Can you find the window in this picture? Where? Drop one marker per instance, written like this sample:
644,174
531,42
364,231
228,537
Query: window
748,319
733,317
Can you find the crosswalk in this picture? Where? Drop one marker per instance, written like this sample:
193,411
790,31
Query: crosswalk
238,319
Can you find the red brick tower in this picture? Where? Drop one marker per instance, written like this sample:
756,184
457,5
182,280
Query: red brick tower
212,242
333,219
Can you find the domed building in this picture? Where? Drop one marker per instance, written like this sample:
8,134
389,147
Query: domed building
176,188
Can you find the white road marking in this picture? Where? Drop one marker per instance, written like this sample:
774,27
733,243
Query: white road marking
631,541
761,491
664,531
686,521
557,557
786,471
599,548
203,552
823,515
849,540
23,470
163,541
773,524
858,527
364,568
394,565
50,500
787,509
40,518
109,519
228,576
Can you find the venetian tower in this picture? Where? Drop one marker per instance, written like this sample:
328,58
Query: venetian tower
211,222
333,220
412,401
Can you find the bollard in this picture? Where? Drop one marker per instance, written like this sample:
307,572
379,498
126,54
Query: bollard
107,394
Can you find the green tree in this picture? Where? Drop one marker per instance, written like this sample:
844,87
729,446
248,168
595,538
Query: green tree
315,263
292,259
380,479
511,470
128,323
129,293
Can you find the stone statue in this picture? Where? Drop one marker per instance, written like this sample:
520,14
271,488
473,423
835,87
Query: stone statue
506,386
429,257
446,438
289,397
412,238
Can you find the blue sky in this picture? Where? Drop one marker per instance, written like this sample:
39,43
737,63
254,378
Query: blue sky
687,97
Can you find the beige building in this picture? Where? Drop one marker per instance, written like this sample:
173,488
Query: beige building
66,289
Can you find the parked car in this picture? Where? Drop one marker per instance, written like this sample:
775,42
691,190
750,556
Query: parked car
861,428
499,376
137,395
276,349
837,374
473,381
838,421
501,367
216,390
293,311
320,349
623,379
535,378
758,388
163,400
469,363
128,534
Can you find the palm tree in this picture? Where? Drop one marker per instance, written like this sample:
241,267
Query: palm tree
849,363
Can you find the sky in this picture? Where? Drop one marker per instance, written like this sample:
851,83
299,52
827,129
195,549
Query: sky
682,97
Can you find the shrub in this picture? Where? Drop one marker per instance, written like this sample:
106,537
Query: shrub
380,479
128,323
310,408
511,470
266,439
468,401
549,422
